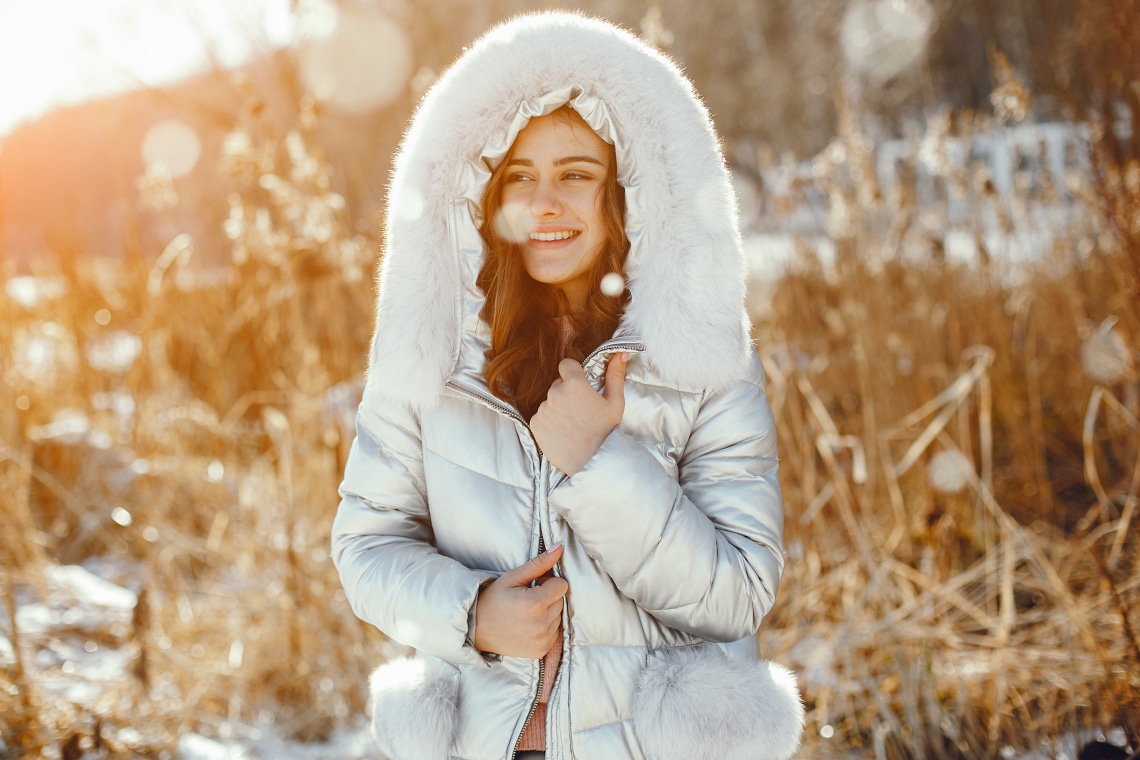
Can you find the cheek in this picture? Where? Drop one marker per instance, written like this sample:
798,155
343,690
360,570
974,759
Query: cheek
595,208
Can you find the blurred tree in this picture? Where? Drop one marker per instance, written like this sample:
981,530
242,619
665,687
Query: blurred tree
1106,70
771,73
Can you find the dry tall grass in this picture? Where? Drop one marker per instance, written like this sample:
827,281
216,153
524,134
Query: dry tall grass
223,441
960,459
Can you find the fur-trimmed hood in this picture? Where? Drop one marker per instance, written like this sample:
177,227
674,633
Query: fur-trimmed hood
685,269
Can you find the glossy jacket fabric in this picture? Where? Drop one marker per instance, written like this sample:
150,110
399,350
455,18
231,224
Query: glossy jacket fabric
672,531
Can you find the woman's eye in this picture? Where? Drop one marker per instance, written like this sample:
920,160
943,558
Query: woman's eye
518,178
576,175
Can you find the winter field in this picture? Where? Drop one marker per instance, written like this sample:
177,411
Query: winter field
949,326
959,456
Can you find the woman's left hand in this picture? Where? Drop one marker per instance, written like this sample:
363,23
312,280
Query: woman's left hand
572,422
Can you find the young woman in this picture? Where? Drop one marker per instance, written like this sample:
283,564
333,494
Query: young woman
563,493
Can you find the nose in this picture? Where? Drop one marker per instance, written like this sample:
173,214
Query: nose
545,201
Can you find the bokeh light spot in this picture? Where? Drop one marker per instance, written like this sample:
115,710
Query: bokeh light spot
115,352
503,226
1105,357
173,145
121,516
237,651
949,471
22,290
361,63
613,284
880,38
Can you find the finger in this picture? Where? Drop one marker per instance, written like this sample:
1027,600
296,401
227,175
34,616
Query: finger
569,369
552,632
533,568
552,590
615,376
553,616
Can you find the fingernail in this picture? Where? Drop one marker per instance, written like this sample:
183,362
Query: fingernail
625,356
554,548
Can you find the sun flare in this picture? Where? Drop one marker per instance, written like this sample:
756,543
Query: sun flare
57,52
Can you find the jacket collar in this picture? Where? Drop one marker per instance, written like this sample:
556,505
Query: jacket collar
685,269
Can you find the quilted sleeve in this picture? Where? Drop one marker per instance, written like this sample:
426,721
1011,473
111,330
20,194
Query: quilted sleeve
702,551
382,542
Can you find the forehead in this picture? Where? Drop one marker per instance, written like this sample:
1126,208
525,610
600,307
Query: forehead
556,135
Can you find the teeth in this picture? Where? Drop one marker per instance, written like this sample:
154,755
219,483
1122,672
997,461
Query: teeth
549,236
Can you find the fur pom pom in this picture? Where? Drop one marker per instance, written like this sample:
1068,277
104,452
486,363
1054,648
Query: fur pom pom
695,703
413,710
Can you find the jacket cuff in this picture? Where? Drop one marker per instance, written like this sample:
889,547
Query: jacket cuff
488,657
444,637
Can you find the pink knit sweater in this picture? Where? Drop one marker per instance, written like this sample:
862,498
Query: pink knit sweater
534,734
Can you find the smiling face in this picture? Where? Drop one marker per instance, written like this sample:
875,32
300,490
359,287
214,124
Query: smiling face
552,202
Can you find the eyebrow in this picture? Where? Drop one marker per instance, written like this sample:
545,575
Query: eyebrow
558,162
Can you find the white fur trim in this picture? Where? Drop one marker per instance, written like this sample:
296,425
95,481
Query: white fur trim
413,711
694,703
686,268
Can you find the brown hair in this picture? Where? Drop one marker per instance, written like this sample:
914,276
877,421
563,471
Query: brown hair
526,338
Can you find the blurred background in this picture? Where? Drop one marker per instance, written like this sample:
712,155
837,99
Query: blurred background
941,207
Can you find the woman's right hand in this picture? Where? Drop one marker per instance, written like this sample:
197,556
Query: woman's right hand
516,619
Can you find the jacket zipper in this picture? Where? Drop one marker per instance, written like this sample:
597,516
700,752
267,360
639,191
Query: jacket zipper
533,706
541,678
496,405
489,401
614,346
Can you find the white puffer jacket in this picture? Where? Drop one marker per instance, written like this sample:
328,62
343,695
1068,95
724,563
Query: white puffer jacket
672,531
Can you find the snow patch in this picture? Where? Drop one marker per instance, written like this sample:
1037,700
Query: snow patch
90,588
346,744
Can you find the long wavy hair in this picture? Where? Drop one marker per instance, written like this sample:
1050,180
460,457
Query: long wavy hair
526,335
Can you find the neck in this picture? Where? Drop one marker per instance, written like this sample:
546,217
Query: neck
573,301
